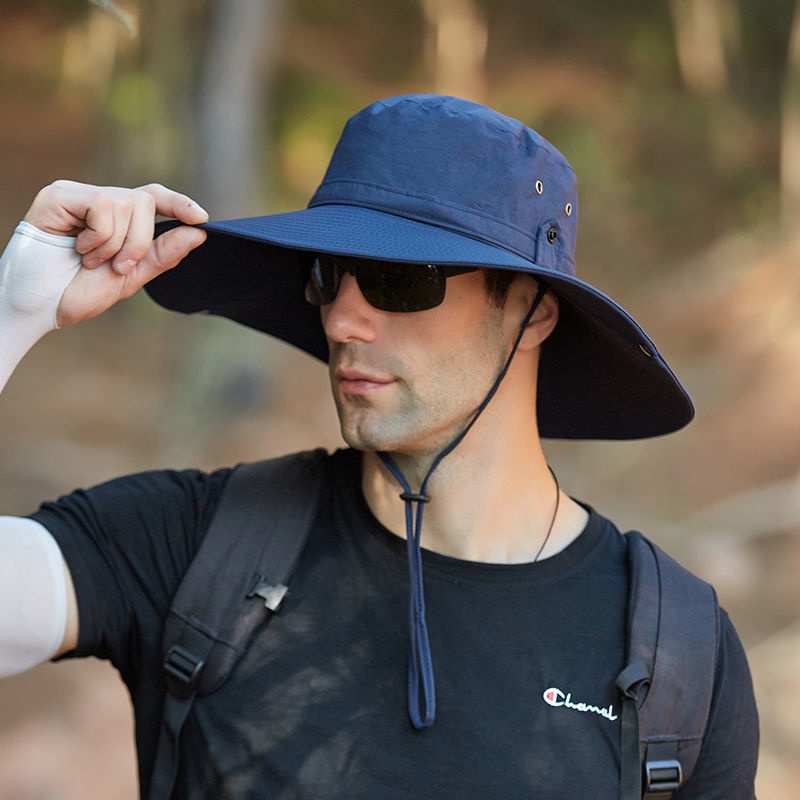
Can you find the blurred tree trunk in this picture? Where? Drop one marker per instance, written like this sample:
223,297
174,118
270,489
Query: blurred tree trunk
699,30
706,36
790,133
225,373
458,35
233,104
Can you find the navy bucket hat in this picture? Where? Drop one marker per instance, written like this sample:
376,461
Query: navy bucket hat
441,180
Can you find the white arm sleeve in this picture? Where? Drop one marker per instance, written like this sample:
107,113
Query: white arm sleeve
35,269
33,595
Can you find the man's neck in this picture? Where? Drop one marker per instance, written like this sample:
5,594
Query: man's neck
494,508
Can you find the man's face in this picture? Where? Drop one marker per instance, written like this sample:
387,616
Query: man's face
409,382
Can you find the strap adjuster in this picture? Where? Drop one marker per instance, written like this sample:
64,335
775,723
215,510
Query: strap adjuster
183,669
271,593
663,776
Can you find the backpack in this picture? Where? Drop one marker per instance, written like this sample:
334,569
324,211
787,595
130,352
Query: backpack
252,546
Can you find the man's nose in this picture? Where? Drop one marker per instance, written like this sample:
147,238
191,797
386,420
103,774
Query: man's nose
349,317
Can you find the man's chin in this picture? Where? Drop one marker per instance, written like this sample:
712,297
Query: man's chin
372,435
403,449
366,442
395,433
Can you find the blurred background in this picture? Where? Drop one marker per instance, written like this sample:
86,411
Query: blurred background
682,120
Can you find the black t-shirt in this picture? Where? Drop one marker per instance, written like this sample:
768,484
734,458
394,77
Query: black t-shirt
525,658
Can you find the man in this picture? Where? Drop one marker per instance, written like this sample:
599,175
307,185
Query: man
434,270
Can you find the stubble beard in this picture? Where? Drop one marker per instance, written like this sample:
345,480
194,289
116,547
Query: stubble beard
368,428
416,425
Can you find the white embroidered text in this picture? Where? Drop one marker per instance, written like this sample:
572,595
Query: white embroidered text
556,698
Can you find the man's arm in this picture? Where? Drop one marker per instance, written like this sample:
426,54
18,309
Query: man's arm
79,250
38,615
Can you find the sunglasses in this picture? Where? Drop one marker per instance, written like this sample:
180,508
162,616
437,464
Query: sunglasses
385,285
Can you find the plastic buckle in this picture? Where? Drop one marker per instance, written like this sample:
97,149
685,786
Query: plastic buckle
662,777
183,670
271,593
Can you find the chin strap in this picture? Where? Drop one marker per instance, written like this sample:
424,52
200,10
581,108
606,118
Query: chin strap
421,685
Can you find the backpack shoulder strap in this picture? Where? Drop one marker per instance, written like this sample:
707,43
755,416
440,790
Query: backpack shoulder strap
666,687
248,554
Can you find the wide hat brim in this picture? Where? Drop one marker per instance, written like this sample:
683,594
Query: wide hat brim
601,376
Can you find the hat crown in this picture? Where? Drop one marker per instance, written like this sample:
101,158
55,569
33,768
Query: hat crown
458,165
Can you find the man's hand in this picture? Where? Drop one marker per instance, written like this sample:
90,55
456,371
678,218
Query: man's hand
114,230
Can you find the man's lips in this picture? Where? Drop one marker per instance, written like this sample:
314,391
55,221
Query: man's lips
354,381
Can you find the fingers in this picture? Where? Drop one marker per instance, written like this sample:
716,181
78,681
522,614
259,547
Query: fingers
113,225
92,291
175,205
119,228
157,199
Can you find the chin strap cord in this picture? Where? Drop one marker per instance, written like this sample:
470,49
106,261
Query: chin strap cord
421,685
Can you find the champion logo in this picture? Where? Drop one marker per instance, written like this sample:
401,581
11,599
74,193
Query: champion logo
558,699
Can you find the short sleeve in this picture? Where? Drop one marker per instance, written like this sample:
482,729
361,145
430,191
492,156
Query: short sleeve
128,542
727,764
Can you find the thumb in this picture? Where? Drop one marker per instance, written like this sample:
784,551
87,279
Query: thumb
166,252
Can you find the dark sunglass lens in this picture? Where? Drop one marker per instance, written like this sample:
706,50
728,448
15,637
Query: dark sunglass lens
401,287
323,281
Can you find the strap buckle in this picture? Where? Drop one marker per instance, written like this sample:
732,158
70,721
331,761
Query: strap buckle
271,593
183,669
662,777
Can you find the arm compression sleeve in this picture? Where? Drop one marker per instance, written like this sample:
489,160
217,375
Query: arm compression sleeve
33,595
35,269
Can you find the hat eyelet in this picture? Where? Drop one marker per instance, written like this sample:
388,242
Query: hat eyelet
568,209
539,187
552,234
646,350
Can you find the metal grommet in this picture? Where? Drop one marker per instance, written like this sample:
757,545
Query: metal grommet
568,209
552,234
646,350
539,187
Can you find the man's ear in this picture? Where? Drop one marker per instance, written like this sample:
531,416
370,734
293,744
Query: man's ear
544,319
